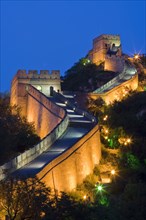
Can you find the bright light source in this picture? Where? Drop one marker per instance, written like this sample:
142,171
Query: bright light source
136,56
113,172
128,140
124,141
84,197
105,117
106,131
99,188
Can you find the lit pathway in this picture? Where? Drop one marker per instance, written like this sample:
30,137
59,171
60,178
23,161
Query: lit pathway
78,127
130,71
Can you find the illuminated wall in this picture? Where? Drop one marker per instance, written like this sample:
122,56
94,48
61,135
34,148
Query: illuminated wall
118,92
35,106
101,45
107,49
114,63
44,81
45,114
70,168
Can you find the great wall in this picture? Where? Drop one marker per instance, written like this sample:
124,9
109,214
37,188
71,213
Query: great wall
70,146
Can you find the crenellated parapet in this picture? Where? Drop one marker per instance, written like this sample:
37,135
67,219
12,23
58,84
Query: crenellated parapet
44,80
35,74
106,46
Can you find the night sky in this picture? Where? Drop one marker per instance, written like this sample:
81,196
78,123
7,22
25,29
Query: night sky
55,34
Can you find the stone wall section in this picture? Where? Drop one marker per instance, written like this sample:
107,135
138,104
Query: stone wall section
44,113
101,45
71,167
35,106
118,92
44,81
32,153
114,63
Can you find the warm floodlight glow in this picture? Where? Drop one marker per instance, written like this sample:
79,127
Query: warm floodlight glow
105,117
106,131
136,56
84,197
128,140
124,141
113,172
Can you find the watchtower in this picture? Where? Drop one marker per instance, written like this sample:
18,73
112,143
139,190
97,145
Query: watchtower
45,81
105,45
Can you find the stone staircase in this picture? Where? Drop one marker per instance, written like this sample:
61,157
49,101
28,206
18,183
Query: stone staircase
75,114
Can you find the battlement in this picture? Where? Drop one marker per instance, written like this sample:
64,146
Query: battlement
106,37
44,80
105,44
34,74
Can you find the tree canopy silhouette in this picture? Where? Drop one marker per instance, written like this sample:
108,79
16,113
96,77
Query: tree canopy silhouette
16,134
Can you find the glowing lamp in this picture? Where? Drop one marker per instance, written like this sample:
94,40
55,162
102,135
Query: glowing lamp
128,140
99,188
113,172
136,56
105,118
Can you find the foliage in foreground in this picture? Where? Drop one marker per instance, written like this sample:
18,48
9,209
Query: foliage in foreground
16,134
23,199
31,199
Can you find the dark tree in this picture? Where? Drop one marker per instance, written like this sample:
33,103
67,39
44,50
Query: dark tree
16,134
24,199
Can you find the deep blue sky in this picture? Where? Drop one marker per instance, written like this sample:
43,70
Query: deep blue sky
56,34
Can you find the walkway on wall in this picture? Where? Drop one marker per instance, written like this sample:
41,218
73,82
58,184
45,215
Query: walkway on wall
128,72
79,125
